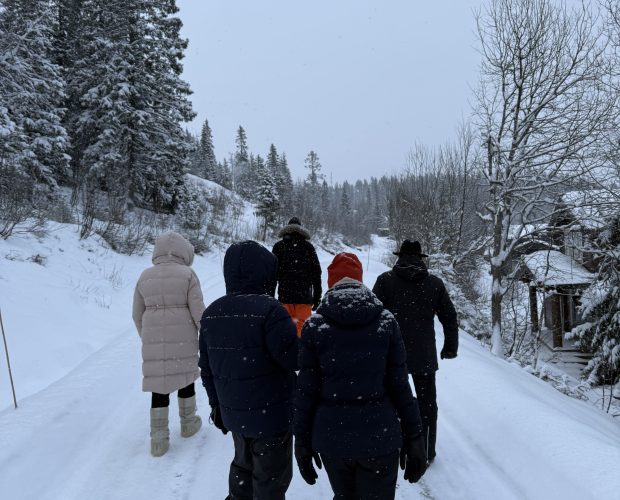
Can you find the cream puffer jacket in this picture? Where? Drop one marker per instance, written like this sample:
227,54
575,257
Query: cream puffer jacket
167,308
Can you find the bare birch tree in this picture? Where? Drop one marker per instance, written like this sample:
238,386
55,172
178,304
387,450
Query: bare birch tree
541,108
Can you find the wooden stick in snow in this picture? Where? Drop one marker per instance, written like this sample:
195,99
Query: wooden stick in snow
8,361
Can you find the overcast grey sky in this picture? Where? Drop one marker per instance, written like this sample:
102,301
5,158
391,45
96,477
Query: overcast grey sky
358,81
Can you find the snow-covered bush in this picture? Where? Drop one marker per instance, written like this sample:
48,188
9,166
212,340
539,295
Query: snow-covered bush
471,313
22,204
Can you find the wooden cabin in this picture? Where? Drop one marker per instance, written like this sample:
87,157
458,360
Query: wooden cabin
556,282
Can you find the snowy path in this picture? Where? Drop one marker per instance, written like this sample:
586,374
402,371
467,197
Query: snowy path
503,434
86,436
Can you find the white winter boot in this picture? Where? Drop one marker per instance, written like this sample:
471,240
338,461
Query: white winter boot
160,435
190,422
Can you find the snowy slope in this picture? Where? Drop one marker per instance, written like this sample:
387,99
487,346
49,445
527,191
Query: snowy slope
81,430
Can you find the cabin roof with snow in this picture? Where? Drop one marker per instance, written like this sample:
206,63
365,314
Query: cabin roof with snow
551,268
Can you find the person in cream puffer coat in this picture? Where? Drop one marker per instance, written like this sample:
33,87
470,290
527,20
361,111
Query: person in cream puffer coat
167,308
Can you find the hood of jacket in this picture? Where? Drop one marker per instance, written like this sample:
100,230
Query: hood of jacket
172,247
294,230
411,268
249,268
350,302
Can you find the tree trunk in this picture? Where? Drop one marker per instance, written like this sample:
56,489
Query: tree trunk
496,312
534,310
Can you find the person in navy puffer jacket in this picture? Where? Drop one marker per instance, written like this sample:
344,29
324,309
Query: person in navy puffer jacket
248,358
354,405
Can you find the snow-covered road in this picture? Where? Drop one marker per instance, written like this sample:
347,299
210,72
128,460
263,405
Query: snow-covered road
503,434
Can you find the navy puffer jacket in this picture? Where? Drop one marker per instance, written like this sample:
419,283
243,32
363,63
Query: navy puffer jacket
248,347
353,383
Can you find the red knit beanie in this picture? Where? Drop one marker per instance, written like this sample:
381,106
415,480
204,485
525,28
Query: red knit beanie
344,265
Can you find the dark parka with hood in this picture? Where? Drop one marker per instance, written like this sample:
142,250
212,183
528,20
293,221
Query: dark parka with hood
299,270
414,297
248,347
353,383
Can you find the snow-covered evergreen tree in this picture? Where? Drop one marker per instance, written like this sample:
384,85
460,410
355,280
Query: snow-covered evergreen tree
133,100
285,186
225,174
600,334
208,162
345,203
314,166
33,140
245,168
268,204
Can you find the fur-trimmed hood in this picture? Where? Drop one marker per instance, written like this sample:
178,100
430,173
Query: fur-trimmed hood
294,229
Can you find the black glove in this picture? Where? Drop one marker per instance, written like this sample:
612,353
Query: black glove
447,354
304,456
413,458
216,419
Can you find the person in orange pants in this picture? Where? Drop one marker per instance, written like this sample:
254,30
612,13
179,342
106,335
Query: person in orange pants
299,272
300,313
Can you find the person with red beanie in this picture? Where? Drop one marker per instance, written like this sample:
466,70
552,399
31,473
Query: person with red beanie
354,408
344,265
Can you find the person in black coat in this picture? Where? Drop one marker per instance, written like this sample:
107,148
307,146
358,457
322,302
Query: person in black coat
248,358
354,406
414,297
299,272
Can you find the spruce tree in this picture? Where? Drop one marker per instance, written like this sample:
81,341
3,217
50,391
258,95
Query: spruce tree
33,140
313,164
345,202
133,101
244,168
267,205
285,187
208,162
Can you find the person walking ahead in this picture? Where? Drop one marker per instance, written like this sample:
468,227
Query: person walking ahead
167,307
414,297
299,272
352,389
248,358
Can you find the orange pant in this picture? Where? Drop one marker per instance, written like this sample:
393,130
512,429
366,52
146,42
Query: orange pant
300,313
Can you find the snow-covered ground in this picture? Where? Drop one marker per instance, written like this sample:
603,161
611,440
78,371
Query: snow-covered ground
81,430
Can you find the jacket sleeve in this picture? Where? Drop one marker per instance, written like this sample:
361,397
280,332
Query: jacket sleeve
194,299
206,374
398,387
138,310
380,291
281,337
308,387
317,288
448,319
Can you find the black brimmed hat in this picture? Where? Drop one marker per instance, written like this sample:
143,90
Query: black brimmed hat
295,220
411,248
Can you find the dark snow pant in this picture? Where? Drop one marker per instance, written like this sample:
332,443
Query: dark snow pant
262,468
363,479
163,400
426,392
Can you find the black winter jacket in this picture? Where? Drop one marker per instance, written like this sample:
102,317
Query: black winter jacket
299,271
353,383
248,347
414,297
